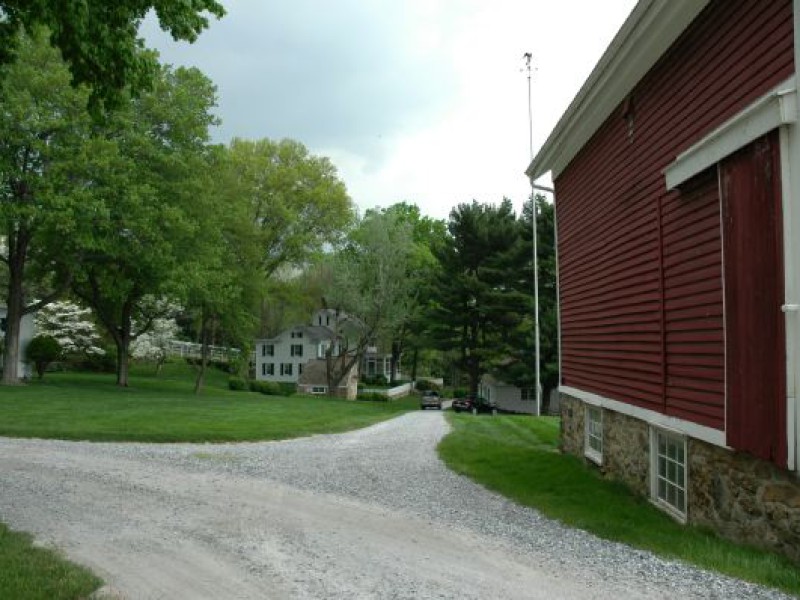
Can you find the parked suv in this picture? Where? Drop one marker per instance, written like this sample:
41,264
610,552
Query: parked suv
430,399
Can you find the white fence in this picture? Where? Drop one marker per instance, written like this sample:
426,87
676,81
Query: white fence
193,350
396,392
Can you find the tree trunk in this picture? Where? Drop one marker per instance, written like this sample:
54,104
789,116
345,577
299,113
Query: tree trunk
11,351
204,350
396,349
414,365
123,342
17,253
122,362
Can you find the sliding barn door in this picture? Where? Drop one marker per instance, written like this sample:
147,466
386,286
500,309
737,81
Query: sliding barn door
752,234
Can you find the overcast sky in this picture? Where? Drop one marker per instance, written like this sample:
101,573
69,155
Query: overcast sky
418,100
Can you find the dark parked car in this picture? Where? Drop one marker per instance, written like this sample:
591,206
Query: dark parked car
475,405
430,399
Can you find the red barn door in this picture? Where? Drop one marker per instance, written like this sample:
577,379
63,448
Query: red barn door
754,281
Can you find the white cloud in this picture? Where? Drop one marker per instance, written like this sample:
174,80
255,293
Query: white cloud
421,100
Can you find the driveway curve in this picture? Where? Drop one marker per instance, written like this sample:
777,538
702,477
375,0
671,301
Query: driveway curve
366,514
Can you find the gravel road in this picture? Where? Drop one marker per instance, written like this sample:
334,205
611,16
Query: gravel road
367,514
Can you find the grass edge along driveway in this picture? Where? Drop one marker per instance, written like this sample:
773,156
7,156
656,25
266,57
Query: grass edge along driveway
28,572
78,406
517,456
90,407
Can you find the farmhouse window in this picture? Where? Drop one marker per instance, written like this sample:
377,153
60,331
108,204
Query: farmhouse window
319,389
270,368
286,368
593,446
268,350
297,350
669,472
297,334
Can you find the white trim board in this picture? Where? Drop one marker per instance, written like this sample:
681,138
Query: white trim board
651,417
776,108
648,32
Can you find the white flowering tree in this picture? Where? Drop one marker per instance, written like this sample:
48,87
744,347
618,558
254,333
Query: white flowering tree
154,344
71,327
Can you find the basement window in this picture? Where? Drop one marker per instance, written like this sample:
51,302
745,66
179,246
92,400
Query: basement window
668,472
593,443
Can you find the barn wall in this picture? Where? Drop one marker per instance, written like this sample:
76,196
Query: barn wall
743,498
640,268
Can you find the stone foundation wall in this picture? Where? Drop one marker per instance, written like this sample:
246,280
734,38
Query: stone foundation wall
743,498
572,432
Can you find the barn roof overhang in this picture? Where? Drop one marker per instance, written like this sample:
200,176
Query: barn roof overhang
648,32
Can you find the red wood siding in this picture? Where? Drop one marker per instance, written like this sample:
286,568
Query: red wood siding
753,234
640,268
694,343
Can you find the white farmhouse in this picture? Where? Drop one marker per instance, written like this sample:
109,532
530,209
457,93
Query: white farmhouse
283,357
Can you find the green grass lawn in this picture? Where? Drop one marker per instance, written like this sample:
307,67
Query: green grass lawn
517,456
31,573
76,406
79,406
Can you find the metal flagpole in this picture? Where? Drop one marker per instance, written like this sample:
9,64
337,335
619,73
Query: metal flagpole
527,56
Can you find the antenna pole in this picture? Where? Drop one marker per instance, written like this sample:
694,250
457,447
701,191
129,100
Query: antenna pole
528,57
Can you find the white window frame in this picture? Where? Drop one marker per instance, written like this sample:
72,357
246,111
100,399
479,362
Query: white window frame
296,350
286,369
663,466
270,368
593,431
319,389
268,350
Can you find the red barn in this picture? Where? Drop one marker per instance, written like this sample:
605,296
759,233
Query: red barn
677,178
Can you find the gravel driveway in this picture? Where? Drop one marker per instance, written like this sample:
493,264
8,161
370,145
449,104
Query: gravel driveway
367,514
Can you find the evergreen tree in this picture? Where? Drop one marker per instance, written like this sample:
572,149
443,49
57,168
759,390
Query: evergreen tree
520,368
475,301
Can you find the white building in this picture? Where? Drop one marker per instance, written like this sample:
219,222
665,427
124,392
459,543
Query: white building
283,357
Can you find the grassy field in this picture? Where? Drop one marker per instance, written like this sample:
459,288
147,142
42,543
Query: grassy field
31,573
517,456
76,406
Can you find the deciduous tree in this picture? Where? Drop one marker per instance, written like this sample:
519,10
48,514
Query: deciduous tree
370,284
71,326
100,39
150,179
45,155
296,199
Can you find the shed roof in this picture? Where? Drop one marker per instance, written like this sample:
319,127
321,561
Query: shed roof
646,35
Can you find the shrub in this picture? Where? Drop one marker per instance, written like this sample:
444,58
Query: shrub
287,389
96,363
460,393
375,380
269,388
372,397
237,384
41,351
